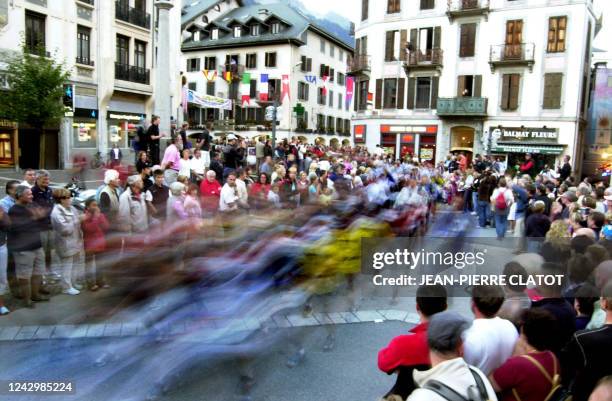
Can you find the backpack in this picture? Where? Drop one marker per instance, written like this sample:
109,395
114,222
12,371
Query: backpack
556,393
500,201
477,392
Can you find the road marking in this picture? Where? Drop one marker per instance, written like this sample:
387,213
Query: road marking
228,326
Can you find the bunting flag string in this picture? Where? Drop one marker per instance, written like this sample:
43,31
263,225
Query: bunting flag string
350,87
325,80
311,79
210,75
263,87
245,89
285,89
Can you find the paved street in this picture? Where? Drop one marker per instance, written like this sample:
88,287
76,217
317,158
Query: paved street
65,337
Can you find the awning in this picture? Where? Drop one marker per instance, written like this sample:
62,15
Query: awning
541,149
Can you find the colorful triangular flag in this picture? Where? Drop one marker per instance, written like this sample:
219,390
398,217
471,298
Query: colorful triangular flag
285,89
263,87
210,75
325,80
311,79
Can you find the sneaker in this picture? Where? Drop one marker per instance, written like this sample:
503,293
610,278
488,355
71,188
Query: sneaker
71,291
4,310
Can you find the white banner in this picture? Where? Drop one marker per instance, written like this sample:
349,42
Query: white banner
208,101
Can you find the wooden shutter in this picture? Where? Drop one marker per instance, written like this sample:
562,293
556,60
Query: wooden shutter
400,92
379,89
253,89
414,33
403,43
552,91
322,70
437,38
364,45
357,47
477,86
364,9
411,93
468,40
434,92
390,35
460,85
505,91
513,100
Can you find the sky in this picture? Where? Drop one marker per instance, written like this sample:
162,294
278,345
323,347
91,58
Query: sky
348,8
602,41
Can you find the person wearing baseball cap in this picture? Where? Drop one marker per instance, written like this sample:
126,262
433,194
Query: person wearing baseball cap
449,372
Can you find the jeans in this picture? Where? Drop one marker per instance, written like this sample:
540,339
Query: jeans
483,212
3,267
467,199
501,224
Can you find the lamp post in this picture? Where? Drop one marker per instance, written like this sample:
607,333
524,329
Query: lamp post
163,107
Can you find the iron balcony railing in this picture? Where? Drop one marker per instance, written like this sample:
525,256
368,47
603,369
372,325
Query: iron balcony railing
124,12
359,63
132,73
462,106
84,61
467,5
425,57
521,52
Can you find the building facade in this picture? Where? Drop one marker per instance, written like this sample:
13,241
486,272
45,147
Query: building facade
109,48
437,76
598,152
253,55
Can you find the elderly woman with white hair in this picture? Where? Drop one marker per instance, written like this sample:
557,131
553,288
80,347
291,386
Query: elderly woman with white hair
109,196
176,202
133,208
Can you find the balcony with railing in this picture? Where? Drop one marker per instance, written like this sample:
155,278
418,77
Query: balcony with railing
135,16
85,61
467,8
522,54
429,59
462,106
132,73
359,65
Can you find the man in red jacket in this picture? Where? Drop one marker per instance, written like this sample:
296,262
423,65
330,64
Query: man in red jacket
408,352
528,165
210,190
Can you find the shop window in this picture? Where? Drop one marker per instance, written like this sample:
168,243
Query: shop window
85,134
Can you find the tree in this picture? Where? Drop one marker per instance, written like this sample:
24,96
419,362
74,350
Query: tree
35,93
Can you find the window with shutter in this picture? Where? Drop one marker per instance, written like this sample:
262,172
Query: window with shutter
423,93
393,6
556,34
364,9
210,88
331,99
510,91
427,4
461,90
403,44
411,93
390,93
477,85
389,45
434,92
379,89
309,64
468,40
552,91
400,92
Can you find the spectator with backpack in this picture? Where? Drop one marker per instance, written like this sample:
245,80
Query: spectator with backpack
501,199
533,373
450,377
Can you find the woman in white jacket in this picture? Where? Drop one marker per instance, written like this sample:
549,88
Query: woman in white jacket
66,223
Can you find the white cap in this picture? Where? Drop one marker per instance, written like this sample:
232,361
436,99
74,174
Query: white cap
231,137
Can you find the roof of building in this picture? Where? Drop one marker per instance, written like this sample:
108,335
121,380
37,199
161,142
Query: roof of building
197,7
296,25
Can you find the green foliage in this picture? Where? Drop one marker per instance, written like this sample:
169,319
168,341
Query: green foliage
35,95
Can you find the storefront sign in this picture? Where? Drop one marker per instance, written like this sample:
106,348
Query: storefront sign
127,117
360,132
532,135
431,129
552,150
208,101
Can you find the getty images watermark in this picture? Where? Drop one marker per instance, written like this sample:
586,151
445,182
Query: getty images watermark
458,263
